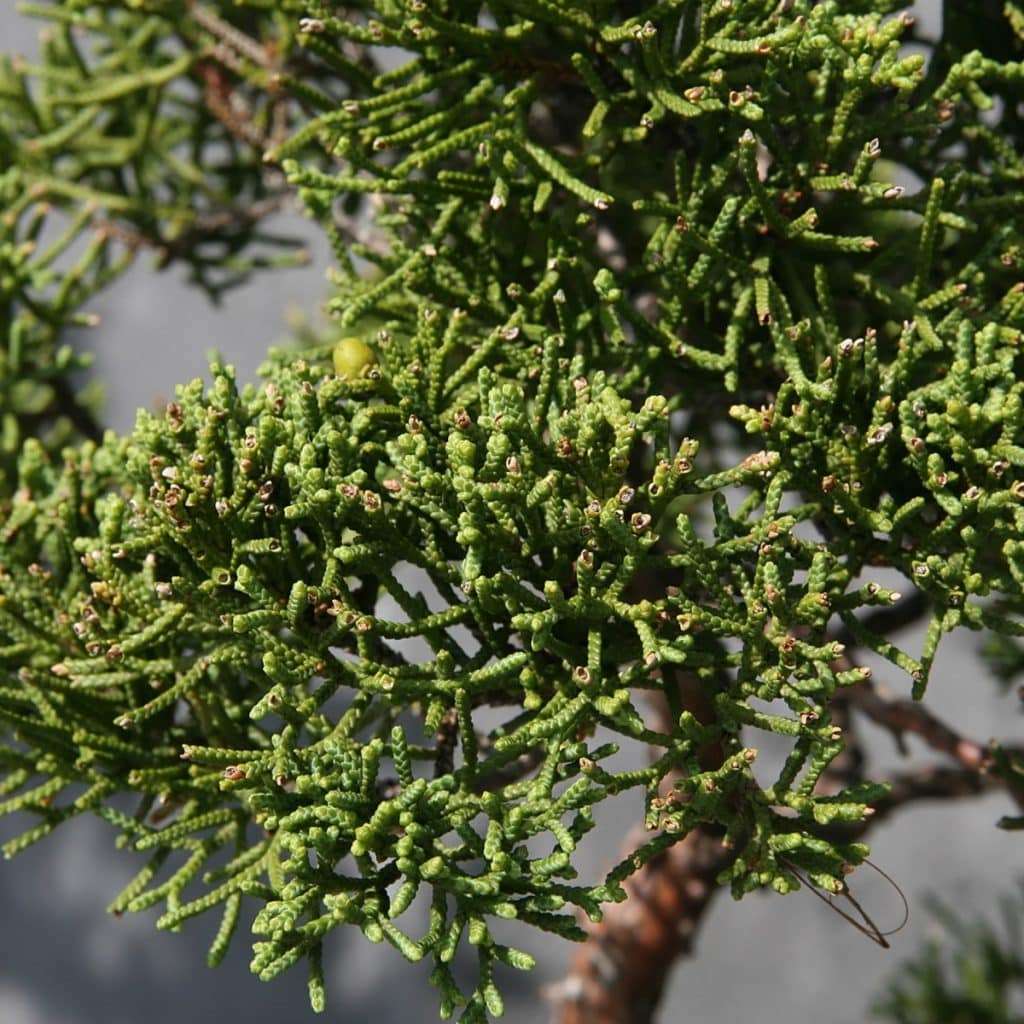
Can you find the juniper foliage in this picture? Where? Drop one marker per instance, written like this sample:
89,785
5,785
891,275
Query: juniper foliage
672,324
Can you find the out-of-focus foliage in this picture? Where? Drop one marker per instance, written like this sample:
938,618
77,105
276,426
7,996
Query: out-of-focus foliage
141,128
973,973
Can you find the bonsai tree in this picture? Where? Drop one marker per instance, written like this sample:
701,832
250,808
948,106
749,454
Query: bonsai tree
665,339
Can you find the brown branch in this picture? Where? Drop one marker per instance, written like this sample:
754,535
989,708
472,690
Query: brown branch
203,225
230,107
906,716
935,782
230,36
618,974
977,769
932,782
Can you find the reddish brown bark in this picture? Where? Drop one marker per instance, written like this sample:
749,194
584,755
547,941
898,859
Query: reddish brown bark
618,974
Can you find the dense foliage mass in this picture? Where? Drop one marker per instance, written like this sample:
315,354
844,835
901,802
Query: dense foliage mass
660,329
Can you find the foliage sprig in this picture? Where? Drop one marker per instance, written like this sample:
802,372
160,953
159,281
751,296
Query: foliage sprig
651,359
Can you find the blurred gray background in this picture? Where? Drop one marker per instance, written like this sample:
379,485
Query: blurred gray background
769,958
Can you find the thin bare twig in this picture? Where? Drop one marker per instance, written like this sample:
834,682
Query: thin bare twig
231,36
203,225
